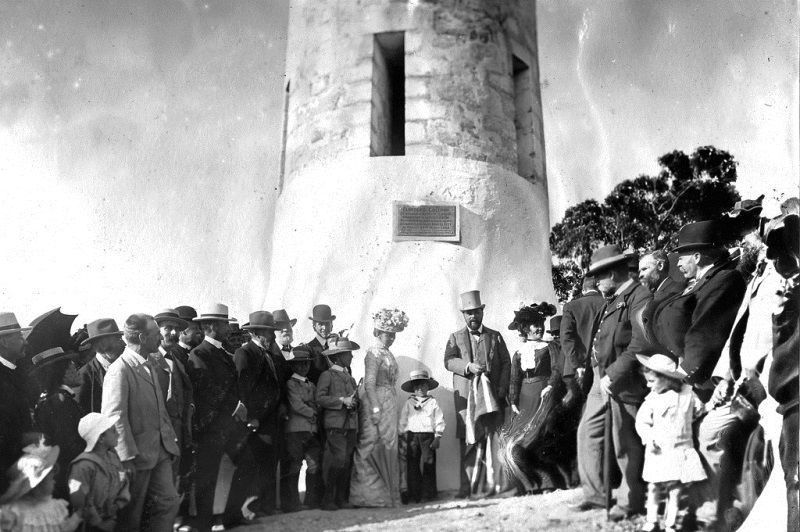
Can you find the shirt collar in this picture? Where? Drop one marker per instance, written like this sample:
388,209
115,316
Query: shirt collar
8,364
139,358
185,346
480,329
67,389
299,377
337,367
257,342
103,361
213,342
322,341
162,350
701,272
661,284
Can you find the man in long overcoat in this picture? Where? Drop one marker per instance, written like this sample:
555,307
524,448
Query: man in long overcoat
15,414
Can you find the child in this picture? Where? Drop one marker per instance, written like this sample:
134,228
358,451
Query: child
664,422
28,504
421,425
336,395
301,430
98,484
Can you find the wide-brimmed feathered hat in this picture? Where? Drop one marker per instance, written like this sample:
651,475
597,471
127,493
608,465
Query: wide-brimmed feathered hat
390,320
531,314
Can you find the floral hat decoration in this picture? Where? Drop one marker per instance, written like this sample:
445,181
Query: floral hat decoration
531,314
390,320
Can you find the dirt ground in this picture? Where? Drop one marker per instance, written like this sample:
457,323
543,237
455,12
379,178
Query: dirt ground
533,512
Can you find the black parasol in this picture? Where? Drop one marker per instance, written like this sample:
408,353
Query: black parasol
49,330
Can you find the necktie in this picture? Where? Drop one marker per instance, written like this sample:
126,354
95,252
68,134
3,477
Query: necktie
286,348
690,285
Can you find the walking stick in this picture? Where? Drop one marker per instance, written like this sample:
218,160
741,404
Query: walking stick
607,457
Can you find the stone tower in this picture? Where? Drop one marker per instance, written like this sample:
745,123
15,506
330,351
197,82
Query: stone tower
416,102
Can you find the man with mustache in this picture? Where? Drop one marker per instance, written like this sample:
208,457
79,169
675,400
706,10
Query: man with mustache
106,340
322,322
190,337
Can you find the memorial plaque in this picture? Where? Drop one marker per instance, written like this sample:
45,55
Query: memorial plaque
427,221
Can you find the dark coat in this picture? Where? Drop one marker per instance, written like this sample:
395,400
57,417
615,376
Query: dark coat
319,362
90,394
548,359
783,374
214,383
614,348
57,415
334,384
577,325
15,417
180,406
259,385
180,353
493,351
695,326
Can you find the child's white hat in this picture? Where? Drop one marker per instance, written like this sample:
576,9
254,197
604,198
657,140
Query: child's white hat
661,364
36,462
92,426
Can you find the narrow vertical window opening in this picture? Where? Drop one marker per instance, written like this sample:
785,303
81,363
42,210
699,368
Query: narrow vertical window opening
388,120
284,133
523,118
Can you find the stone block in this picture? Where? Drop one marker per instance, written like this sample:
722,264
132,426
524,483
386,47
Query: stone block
415,132
417,87
423,109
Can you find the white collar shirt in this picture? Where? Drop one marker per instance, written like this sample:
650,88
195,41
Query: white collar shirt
6,363
213,342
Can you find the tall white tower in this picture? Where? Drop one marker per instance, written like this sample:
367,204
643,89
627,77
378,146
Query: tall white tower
391,106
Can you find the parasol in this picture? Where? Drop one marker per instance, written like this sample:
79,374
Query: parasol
49,330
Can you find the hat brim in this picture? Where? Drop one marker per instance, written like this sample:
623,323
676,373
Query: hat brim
180,321
107,424
22,330
337,350
304,359
408,386
250,327
103,335
282,324
695,247
645,361
473,308
604,264
67,355
312,318
212,318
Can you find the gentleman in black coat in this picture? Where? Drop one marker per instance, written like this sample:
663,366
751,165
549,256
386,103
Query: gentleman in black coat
576,335
617,385
322,322
190,337
105,338
217,407
260,390
15,414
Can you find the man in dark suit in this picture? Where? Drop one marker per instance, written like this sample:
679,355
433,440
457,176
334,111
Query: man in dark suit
190,337
471,352
617,385
105,338
217,407
15,415
655,275
576,335
322,322
260,390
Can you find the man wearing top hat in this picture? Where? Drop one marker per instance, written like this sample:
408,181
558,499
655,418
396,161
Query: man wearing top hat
105,338
260,390
15,416
322,322
470,352
617,384
147,442
190,337
216,398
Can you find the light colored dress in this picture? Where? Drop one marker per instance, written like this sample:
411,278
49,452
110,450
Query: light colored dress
664,422
26,515
375,480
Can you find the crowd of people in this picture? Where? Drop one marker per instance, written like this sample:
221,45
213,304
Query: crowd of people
644,389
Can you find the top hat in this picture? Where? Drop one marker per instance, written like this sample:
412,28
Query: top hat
418,375
321,313
260,319
299,354
605,258
554,325
471,300
92,426
100,329
661,364
338,345
282,319
170,314
30,470
217,312
9,324
51,356
699,235
186,312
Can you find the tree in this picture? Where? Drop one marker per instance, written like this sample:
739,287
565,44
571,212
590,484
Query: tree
648,211
567,280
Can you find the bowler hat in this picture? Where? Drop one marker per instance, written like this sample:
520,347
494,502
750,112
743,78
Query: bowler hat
299,354
51,356
554,325
661,364
282,318
9,324
699,235
170,314
216,312
471,300
340,345
606,257
260,319
418,375
186,312
321,313
100,329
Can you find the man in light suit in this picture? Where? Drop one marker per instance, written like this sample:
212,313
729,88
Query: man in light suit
470,352
147,442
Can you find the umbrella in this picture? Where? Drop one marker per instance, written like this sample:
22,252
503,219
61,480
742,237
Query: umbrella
49,330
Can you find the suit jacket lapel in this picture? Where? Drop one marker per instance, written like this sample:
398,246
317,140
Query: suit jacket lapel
467,341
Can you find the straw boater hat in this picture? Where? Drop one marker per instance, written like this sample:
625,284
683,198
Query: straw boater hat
299,354
471,300
661,364
418,375
92,426
260,319
699,235
390,320
9,324
321,313
170,314
100,329
51,356
606,257
282,319
217,312
340,345
30,470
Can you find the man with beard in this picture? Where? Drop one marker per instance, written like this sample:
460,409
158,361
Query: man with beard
470,353
284,334
617,385
322,322
105,339
15,416
654,275
217,407
190,337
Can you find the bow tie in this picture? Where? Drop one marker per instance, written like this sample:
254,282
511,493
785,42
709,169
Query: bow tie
474,333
